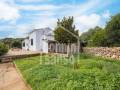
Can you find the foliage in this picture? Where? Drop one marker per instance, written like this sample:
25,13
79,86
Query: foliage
3,49
113,31
63,36
110,36
7,41
10,41
94,37
16,44
98,39
87,35
94,73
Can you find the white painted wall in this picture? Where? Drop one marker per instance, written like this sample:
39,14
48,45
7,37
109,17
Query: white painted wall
41,44
32,36
39,40
38,36
45,46
26,41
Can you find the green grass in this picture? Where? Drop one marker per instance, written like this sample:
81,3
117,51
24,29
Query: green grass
93,73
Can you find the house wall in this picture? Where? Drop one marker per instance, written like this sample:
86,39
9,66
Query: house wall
50,37
39,40
32,47
39,44
45,46
26,41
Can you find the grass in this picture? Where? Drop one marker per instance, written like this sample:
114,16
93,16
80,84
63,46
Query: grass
93,73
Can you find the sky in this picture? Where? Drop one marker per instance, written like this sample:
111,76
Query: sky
17,17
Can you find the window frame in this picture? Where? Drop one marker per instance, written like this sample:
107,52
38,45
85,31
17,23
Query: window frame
23,44
31,40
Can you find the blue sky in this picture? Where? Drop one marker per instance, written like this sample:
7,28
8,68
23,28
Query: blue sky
18,17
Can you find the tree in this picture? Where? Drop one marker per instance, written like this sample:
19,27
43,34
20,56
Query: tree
7,41
3,49
110,36
10,41
16,44
86,37
63,36
113,31
98,38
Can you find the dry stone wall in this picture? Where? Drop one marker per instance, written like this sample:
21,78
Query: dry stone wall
113,52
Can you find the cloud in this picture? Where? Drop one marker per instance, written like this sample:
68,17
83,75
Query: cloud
86,7
46,22
4,27
15,30
8,12
45,15
40,7
88,20
42,14
85,22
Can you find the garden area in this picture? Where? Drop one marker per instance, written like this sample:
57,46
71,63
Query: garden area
60,45
89,73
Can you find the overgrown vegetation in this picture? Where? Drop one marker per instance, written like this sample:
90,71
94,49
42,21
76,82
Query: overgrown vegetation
3,49
93,73
16,44
109,36
12,42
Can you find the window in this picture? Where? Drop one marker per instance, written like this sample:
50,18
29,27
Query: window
31,41
23,44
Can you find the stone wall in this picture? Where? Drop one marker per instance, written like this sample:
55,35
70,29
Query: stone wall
113,53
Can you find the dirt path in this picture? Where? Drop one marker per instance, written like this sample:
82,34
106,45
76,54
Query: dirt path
10,79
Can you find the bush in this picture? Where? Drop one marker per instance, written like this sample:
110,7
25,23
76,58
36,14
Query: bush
3,49
16,44
113,31
98,39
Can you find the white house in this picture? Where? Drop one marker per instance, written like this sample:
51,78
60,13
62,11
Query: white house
38,40
43,40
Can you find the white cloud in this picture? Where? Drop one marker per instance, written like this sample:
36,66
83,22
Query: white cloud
64,8
43,14
47,14
16,30
81,9
44,22
40,7
86,7
22,30
88,20
85,22
85,16
8,12
5,27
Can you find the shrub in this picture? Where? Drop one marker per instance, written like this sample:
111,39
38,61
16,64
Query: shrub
98,39
113,31
3,49
16,44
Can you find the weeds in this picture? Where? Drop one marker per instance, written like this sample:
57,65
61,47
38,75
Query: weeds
88,73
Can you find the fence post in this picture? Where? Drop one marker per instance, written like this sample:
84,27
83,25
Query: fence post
56,50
